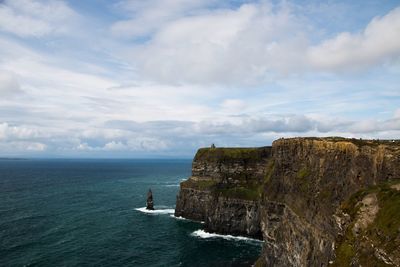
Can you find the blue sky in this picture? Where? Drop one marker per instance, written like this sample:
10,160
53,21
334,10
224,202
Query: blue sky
161,78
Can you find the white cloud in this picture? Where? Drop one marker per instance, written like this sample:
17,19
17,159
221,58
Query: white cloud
146,17
98,133
110,146
83,147
19,132
21,25
256,43
21,147
27,18
148,144
196,72
229,46
9,84
233,105
378,42
133,144
397,114
181,136
34,146
363,126
114,146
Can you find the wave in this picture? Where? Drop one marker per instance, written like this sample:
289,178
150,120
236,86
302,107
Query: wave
160,211
179,217
161,207
203,234
171,185
184,219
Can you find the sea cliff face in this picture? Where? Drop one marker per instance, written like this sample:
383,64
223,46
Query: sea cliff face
225,190
307,197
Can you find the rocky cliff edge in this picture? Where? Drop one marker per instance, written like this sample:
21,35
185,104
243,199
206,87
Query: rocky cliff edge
314,201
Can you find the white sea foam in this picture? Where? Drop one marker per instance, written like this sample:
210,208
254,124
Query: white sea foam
171,185
160,207
179,217
184,219
160,211
204,234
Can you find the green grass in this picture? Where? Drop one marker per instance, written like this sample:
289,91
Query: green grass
344,254
388,218
382,232
387,222
325,194
222,154
239,192
199,185
260,262
303,173
358,142
246,192
350,206
269,170
246,186
303,180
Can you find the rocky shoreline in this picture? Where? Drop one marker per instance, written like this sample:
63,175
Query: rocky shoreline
302,196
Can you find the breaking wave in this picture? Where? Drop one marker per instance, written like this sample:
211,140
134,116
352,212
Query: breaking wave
204,234
184,219
178,217
171,185
159,211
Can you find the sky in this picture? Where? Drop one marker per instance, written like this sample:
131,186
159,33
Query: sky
161,78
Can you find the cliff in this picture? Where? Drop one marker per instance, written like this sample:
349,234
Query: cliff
225,189
314,201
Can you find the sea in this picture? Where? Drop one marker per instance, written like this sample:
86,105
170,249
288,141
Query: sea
90,212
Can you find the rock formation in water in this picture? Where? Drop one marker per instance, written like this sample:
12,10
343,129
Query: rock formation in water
314,201
150,204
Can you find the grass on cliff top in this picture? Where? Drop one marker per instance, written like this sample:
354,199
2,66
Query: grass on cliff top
226,153
383,232
358,142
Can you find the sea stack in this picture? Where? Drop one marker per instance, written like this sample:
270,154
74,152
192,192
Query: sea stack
150,205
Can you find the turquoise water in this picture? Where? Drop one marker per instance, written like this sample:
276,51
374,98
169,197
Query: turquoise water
84,213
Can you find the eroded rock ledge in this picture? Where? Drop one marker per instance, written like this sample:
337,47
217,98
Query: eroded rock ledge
304,197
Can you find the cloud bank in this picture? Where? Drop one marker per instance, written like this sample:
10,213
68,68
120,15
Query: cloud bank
161,78
254,43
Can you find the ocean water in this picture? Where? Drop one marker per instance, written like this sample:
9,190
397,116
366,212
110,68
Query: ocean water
90,213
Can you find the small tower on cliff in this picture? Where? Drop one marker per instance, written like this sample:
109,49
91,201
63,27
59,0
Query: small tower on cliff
212,145
150,204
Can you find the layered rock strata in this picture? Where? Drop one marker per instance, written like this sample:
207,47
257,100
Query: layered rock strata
296,196
225,190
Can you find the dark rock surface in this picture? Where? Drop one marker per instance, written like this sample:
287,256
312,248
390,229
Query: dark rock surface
193,204
225,190
235,217
312,177
150,204
292,195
